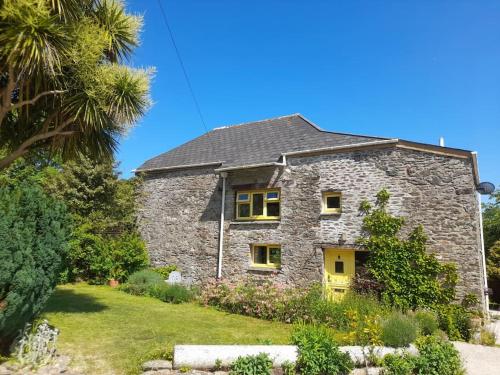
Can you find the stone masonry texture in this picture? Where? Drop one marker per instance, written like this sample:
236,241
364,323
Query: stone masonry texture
180,213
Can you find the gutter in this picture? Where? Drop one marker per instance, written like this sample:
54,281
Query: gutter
185,166
221,230
343,147
250,166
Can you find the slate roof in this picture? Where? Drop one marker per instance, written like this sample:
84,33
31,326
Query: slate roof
253,143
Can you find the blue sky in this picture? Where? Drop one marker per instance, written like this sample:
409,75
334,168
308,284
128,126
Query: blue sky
415,70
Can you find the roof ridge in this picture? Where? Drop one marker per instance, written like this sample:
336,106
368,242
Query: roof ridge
255,122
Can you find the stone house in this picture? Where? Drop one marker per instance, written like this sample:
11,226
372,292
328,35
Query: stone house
279,199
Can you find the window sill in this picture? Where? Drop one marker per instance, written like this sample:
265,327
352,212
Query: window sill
263,269
330,214
252,222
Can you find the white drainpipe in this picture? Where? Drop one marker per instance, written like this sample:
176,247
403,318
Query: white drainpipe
483,255
221,232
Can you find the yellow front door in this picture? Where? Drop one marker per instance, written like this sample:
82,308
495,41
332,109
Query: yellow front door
339,270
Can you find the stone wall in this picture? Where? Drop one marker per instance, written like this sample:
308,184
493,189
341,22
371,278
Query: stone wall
179,219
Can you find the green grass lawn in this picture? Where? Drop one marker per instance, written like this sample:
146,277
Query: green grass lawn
106,331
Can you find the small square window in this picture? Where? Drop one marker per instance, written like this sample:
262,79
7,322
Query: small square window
266,256
339,267
332,202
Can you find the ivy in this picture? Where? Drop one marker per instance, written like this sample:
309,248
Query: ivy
410,277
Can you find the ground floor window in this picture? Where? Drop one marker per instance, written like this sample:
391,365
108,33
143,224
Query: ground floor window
266,256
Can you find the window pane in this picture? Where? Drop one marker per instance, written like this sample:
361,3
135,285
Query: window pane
243,210
273,209
339,267
333,202
275,255
258,204
272,195
243,197
260,255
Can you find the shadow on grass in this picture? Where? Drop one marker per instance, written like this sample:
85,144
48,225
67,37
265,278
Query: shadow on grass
70,302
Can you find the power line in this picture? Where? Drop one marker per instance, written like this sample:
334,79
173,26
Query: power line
197,105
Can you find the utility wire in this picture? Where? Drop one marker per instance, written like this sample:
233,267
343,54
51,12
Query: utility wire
197,105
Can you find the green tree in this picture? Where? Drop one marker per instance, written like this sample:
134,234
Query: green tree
410,277
491,221
33,234
493,261
104,242
63,84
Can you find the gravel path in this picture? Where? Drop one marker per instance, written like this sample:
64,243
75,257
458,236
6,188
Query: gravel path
478,359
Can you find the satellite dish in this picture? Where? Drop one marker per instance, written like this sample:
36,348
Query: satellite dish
485,188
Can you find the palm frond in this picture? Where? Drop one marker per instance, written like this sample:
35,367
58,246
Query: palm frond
122,28
31,39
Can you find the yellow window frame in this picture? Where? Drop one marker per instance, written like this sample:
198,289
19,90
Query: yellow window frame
268,254
249,201
325,196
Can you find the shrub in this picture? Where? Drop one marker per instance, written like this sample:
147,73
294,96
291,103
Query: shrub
276,302
87,256
259,364
165,271
398,330
487,337
37,344
411,277
141,282
173,293
427,322
97,259
398,364
437,357
33,236
456,321
364,282
127,255
288,368
318,352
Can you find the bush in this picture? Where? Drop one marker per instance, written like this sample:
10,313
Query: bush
398,364
410,276
97,259
398,330
318,352
141,282
165,271
287,304
259,364
127,255
34,231
87,258
427,322
456,321
172,293
437,357
487,337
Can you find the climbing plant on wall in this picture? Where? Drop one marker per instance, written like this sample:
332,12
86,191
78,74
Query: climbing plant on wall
409,275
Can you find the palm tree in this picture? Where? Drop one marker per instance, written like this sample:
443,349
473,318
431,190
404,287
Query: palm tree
64,84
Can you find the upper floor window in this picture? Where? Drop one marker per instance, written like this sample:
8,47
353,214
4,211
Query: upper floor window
332,202
258,205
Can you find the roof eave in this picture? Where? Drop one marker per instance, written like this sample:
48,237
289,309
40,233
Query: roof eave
170,168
